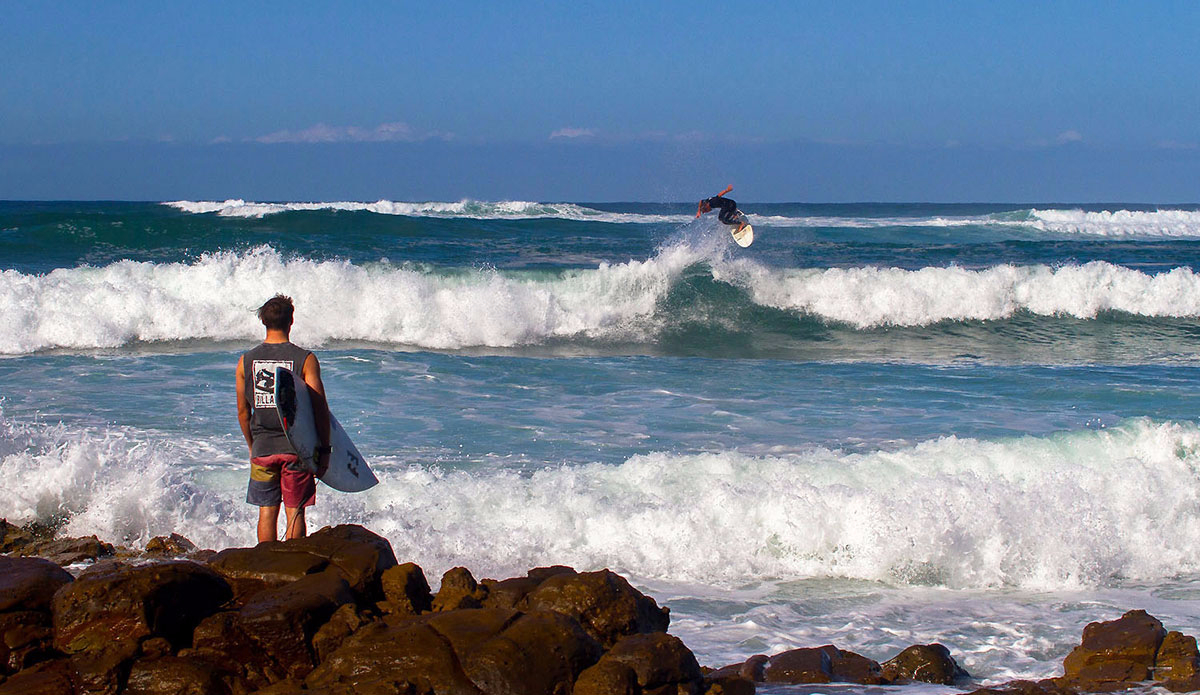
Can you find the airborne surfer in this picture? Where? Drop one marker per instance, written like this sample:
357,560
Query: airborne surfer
729,213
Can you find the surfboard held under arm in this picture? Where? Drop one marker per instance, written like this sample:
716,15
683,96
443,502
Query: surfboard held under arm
348,470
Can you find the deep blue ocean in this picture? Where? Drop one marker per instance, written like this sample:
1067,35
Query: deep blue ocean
881,424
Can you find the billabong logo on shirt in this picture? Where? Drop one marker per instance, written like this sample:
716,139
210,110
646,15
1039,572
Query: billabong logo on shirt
264,381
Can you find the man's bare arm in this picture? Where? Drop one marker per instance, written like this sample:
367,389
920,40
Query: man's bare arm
242,406
312,377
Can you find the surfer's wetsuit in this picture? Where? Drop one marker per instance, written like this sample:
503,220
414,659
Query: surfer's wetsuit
727,206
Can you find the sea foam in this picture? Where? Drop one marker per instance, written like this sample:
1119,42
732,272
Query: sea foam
1059,512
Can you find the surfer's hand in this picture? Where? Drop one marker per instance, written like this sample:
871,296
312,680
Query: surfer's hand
322,464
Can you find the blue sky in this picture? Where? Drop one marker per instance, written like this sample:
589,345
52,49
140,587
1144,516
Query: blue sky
601,101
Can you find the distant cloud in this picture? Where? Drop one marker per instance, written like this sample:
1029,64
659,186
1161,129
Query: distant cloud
1177,145
1068,136
220,140
320,133
573,133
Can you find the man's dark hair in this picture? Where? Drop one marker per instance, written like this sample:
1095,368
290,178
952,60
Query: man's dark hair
276,313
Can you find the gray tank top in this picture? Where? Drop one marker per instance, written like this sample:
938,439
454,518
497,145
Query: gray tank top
259,367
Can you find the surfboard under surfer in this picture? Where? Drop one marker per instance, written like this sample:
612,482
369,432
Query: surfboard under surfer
728,209
276,474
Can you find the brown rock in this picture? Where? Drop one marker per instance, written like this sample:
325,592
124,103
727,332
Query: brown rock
406,589
1115,652
808,665
928,663
120,604
265,566
48,678
344,621
607,678
173,545
28,584
221,639
540,653
1023,687
360,556
657,658
728,684
458,590
283,621
849,667
173,675
603,602
510,592
27,639
385,659
1177,658
13,538
69,551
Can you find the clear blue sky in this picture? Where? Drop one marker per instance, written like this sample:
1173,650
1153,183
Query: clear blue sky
682,92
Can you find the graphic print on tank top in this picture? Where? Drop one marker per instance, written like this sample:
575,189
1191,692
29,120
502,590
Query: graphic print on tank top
264,381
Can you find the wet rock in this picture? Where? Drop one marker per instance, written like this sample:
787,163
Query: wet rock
658,659
13,538
119,604
173,545
47,678
173,675
359,555
849,667
344,621
70,551
540,653
381,658
607,678
284,620
717,683
808,665
26,638
28,584
508,593
603,602
265,566
405,589
1023,687
221,640
928,663
1177,662
1116,652
458,590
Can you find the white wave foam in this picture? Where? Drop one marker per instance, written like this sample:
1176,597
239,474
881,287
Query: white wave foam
470,209
214,298
1159,223
1070,510
872,297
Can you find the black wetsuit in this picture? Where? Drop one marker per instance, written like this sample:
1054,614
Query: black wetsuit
728,207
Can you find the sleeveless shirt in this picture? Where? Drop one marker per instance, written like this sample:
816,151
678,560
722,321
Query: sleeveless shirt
259,367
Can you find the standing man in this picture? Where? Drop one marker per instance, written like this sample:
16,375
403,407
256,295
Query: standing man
728,206
276,473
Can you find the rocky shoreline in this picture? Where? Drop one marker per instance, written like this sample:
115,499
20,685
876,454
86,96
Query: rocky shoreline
337,613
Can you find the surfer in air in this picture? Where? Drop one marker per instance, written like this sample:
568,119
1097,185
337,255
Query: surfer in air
729,215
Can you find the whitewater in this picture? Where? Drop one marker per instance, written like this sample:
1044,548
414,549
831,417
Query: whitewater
881,424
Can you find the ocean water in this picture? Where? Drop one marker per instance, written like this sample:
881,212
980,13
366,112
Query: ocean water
879,425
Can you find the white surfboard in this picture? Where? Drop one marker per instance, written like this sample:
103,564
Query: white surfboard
745,237
348,470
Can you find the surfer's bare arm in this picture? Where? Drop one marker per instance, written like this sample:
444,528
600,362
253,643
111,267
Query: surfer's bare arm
242,405
700,208
727,189
312,377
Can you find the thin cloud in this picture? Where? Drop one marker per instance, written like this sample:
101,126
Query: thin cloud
1068,136
322,133
572,133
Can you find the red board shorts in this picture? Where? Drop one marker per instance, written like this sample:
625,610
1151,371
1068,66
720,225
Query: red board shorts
279,477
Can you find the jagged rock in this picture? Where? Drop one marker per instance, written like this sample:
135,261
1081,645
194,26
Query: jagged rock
26,638
458,590
751,669
344,621
540,653
284,620
1177,662
13,538
265,566
1115,652
120,603
808,665
406,590
509,593
928,663
28,583
173,545
221,639
657,658
603,602
55,677
69,551
359,555
728,684
384,659
607,678
174,675
1023,687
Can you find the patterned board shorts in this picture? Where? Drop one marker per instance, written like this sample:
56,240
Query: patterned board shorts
273,479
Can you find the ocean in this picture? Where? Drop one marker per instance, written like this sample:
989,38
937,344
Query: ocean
880,425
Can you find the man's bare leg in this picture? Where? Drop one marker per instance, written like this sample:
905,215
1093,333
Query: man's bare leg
268,523
295,523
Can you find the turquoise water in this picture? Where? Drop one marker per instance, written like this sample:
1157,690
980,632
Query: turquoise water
880,424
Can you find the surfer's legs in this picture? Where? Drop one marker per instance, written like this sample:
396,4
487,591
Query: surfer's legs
296,528
268,524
